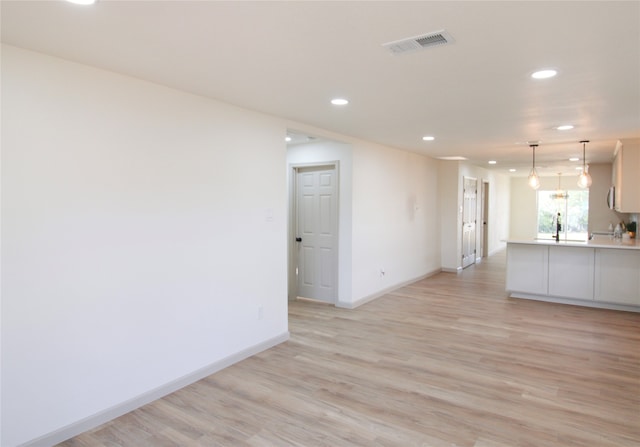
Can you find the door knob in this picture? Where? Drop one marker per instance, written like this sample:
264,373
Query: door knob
298,239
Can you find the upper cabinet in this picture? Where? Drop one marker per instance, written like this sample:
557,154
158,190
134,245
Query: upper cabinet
626,176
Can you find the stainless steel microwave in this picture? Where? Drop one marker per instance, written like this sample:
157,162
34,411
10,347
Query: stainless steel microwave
611,198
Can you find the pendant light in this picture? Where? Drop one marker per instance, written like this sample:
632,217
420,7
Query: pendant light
584,179
559,194
534,180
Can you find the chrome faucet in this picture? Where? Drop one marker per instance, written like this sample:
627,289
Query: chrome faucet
558,228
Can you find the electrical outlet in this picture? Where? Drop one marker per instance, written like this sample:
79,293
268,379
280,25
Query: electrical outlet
382,272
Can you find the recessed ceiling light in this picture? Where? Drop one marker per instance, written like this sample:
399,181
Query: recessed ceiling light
578,168
453,158
82,2
544,74
574,159
339,102
428,138
287,139
492,162
565,127
512,170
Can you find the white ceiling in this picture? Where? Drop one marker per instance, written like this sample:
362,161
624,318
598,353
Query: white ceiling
289,59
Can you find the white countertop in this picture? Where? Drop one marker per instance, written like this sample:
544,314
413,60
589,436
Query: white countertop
596,242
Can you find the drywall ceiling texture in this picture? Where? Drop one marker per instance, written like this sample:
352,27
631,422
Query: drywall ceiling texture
289,59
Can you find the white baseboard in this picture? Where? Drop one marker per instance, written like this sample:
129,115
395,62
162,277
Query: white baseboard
498,250
366,299
574,302
109,414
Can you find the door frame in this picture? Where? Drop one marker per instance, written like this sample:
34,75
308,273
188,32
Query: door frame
475,217
485,219
292,252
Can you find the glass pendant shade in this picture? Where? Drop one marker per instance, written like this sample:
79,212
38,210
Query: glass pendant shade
534,179
584,179
559,194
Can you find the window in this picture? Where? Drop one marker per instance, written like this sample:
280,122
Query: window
573,206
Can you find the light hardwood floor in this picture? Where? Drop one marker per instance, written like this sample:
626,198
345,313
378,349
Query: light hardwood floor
448,361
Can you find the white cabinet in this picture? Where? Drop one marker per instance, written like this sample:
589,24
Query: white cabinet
604,274
571,272
626,168
527,268
617,276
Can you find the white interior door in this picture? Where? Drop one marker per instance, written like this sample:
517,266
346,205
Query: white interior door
484,252
316,232
469,195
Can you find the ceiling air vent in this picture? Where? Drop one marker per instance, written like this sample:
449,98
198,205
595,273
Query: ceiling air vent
419,42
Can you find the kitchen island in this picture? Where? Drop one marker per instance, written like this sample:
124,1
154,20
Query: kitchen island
602,272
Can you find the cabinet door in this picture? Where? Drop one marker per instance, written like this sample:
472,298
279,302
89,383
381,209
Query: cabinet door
527,268
617,276
571,272
616,177
626,168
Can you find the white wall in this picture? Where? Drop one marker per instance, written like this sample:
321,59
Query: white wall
395,219
523,209
132,216
135,244
449,203
331,151
600,216
388,215
499,210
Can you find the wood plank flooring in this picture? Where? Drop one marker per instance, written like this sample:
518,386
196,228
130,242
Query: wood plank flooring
448,361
